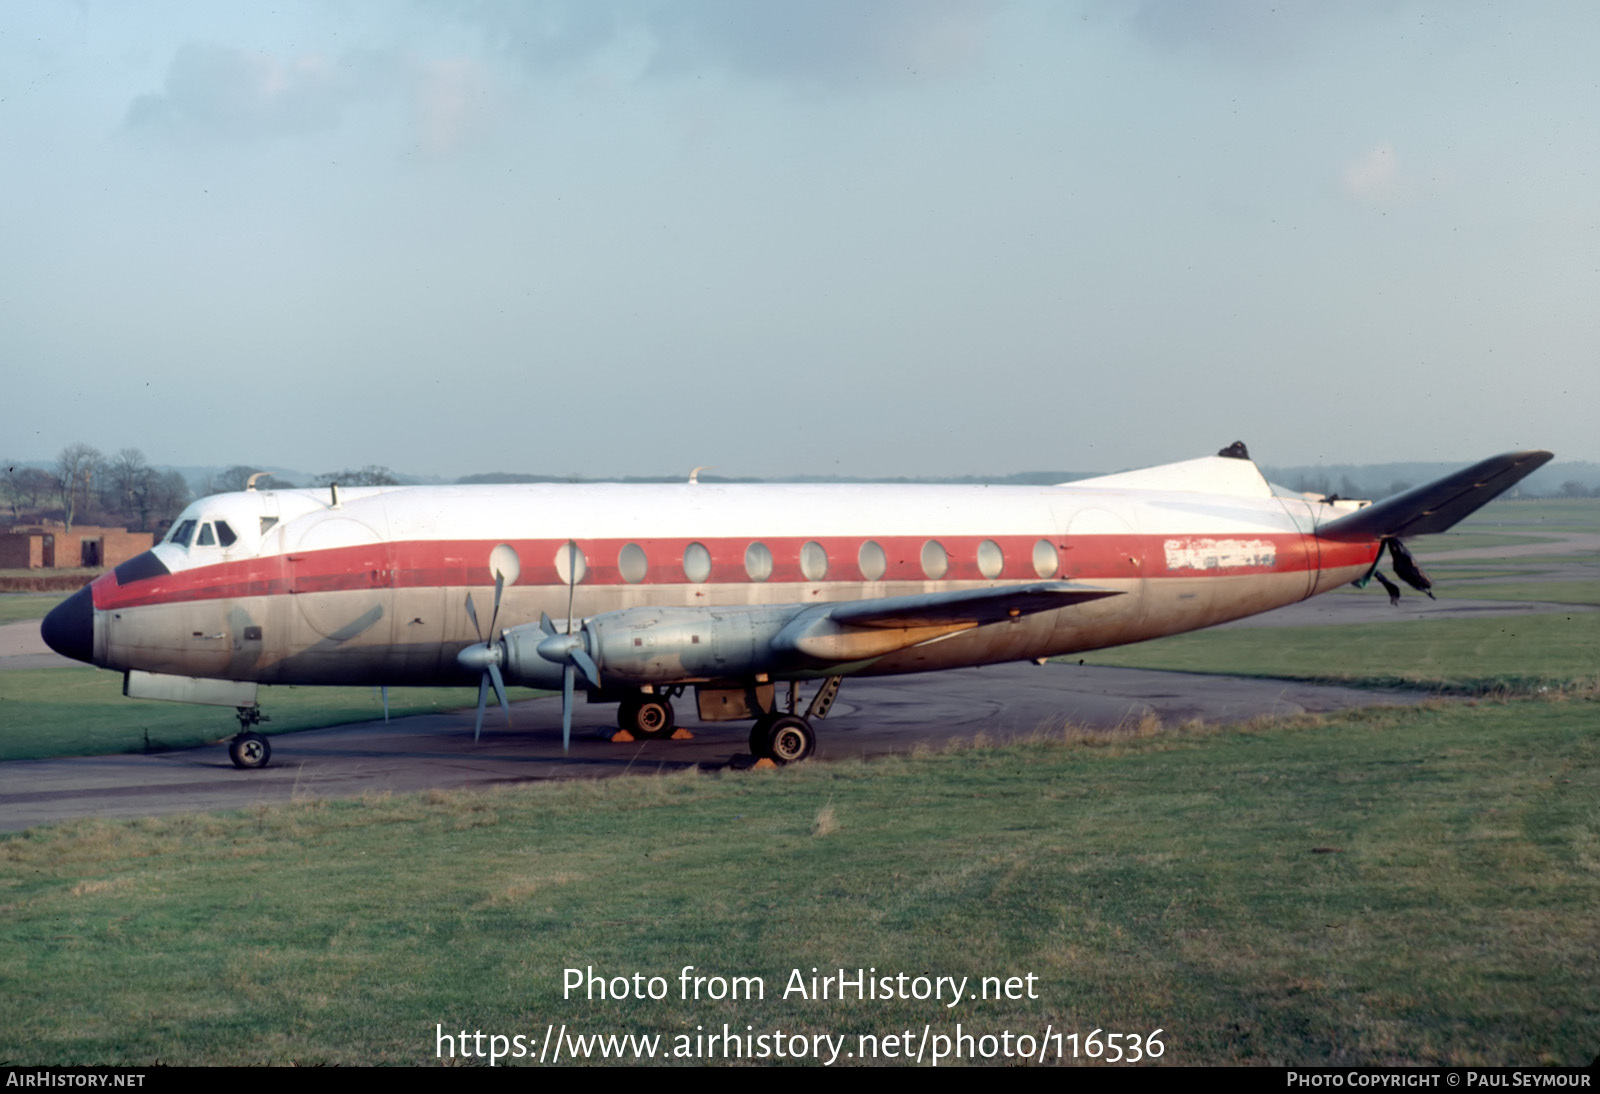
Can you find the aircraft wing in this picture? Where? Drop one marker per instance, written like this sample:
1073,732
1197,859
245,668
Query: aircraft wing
857,629
974,606
1437,506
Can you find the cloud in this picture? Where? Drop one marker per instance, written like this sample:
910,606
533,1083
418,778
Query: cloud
1255,32
816,42
1373,178
826,39
215,92
451,101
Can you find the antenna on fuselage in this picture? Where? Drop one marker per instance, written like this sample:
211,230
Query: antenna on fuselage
694,476
250,484
333,490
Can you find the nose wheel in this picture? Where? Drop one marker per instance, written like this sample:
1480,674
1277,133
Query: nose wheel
249,751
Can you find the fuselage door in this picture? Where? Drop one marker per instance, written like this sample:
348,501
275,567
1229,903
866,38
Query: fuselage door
341,575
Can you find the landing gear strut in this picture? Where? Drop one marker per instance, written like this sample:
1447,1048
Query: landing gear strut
249,749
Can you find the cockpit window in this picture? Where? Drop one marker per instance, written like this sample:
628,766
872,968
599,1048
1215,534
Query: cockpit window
206,538
225,534
182,534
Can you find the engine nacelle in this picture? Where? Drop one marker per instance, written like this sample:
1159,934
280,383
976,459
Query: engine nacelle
658,645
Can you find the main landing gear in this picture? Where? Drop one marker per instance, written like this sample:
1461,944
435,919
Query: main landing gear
249,749
788,738
647,717
782,738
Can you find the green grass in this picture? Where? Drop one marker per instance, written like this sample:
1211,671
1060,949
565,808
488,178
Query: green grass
1462,571
1384,886
1472,540
65,571
81,711
1579,514
17,607
1474,656
1549,592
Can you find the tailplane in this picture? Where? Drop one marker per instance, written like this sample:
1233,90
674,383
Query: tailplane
1437,506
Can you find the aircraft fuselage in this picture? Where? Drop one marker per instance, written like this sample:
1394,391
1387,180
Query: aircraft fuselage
373,590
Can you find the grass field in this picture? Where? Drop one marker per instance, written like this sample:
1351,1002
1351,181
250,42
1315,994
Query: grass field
1574,514
17,607
1518,653
1536,591
1411,886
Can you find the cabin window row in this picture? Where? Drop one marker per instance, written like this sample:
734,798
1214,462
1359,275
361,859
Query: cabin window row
871,562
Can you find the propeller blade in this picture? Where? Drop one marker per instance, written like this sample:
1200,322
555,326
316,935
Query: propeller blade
385,690
566,707
500,690
499,587
545,625
572,578
487,653
591,671
483,701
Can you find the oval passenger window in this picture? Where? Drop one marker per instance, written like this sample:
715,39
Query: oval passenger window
696,562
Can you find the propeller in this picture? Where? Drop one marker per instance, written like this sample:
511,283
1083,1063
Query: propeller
487,655
568,650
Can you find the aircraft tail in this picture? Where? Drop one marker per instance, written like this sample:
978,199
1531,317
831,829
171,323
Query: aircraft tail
1437,506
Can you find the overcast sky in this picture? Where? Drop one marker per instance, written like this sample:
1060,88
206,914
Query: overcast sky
838,236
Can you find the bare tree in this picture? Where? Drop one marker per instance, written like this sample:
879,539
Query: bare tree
76,467
12,484
125,486
31,486
168,494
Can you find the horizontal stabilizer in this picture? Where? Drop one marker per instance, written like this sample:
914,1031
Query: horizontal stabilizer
1437,506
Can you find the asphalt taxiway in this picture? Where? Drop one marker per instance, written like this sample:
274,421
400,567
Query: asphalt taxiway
870,718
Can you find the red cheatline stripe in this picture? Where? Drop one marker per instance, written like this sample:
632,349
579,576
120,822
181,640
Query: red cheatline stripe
458,563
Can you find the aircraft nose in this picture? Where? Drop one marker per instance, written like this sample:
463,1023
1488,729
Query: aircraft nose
69,628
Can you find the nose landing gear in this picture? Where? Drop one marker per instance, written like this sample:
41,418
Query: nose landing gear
249,749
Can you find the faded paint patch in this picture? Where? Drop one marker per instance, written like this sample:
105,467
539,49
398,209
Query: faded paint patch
1201,553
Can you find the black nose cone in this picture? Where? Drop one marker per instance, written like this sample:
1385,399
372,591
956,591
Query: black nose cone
69,628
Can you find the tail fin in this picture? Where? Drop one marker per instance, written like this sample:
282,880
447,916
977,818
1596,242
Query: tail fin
1438,505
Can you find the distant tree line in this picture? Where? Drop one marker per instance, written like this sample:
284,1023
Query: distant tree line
238,478
84,486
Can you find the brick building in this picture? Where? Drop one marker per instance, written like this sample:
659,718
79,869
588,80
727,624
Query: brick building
47,547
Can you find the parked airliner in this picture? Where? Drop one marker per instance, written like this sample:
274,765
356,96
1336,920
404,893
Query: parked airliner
741,592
